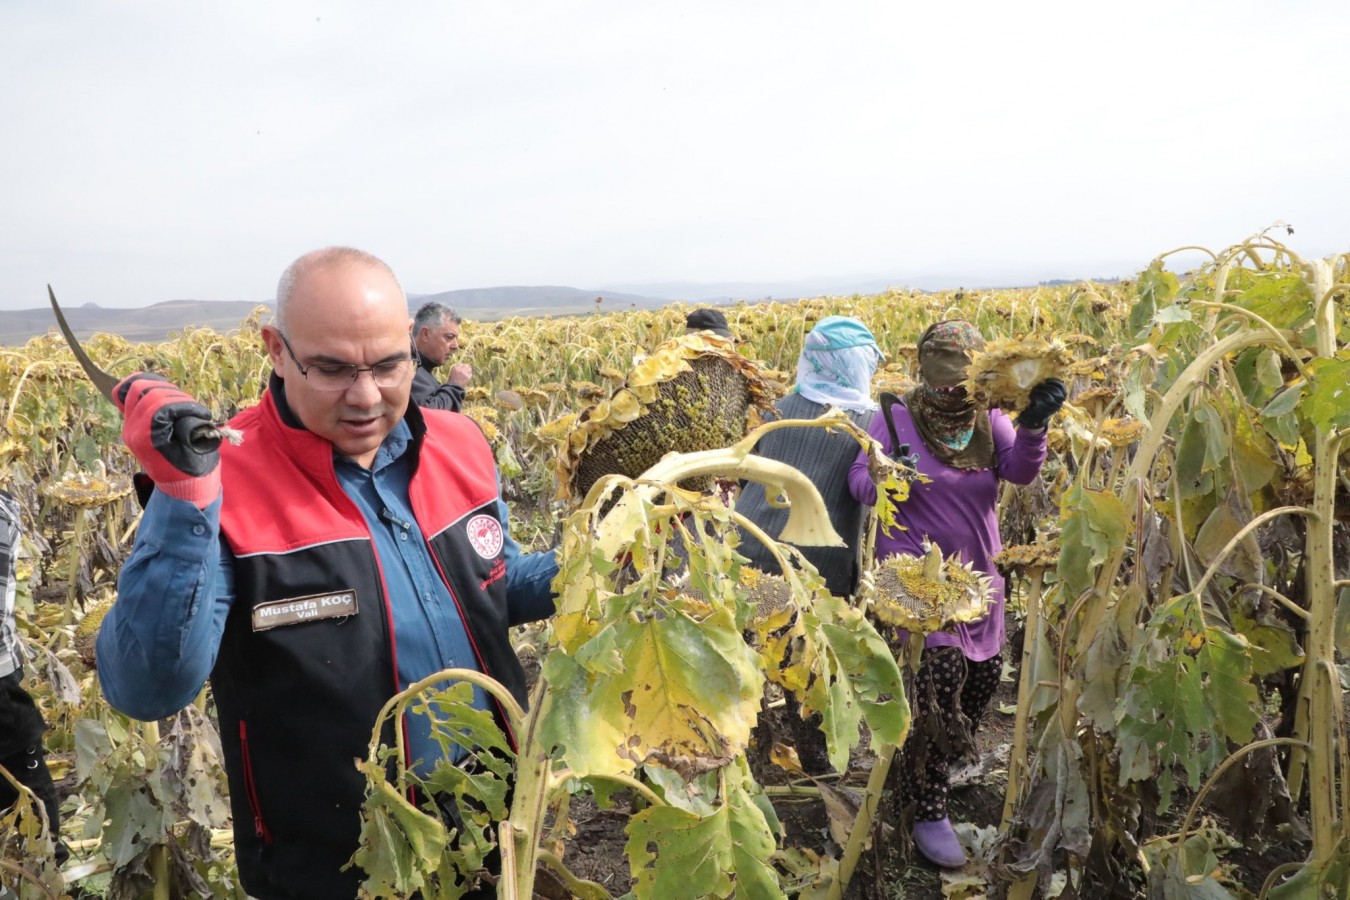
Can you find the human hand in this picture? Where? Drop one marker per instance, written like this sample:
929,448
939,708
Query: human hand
158,428
877,465
460,374
1046,400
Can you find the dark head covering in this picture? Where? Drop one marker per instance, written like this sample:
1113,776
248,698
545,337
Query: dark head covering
709,320
955,431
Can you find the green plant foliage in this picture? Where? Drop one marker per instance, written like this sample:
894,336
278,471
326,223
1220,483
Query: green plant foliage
1156,287
830,656
1105,669
688,691
1284,299
405,848
1328,399
1329,880
674,853
1192,694
1188,872
399,844
1094,525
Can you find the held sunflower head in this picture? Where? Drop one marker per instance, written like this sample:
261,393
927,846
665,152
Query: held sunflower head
928,593
1002,375
692,393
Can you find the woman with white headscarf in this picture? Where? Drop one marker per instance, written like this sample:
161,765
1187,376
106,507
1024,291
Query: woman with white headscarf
834,370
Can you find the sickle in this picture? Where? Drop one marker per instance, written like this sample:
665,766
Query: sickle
198,434
101,379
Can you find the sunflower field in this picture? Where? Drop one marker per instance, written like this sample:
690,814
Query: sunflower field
1179,577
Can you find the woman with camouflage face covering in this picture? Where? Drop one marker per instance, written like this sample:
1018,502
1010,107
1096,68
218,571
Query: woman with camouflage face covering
964,452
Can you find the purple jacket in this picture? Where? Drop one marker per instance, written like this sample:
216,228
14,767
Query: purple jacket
958,510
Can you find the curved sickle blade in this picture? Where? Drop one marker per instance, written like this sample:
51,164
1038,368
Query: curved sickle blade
101,379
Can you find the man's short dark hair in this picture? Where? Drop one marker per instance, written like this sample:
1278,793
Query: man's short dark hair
432,314
708,320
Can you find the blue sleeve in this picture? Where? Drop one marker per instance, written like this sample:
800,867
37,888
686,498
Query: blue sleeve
158,643
529,577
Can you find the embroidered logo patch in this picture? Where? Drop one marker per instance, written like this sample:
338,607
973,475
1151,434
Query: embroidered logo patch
304,609
485,536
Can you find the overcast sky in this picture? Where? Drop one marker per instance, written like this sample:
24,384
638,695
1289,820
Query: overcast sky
162,150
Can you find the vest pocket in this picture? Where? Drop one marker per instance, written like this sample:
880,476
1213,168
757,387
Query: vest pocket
251,787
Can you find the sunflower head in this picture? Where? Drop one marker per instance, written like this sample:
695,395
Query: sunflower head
1003,373
87,490
928,593
692,393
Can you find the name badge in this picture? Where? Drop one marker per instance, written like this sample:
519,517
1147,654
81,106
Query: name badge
296,610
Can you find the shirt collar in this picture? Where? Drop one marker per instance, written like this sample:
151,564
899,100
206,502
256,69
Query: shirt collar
393,447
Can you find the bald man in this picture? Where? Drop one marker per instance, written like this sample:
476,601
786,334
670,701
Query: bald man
350,546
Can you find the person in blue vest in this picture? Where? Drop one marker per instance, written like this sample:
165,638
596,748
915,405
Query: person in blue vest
351,545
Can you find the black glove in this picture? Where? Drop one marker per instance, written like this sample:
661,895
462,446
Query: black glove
1046,399
905,458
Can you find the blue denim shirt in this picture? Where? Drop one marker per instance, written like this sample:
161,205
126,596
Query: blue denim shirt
159,642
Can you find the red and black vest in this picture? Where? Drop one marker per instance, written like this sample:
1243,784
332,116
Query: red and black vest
308,656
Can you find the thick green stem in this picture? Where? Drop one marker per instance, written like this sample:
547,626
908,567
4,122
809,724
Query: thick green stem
76,551
1321,646
1018,772
1322,693
862,823
578,887
524,825
507,887
159,854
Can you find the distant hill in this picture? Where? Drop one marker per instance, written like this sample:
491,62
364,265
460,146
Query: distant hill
155,323
751,291
499,302
148,323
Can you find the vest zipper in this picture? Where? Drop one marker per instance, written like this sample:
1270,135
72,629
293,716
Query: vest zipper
259,826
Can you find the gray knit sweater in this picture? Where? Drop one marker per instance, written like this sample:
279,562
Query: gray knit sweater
825,458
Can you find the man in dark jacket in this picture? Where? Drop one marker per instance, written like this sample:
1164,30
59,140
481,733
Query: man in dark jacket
436,337
350,546
708,320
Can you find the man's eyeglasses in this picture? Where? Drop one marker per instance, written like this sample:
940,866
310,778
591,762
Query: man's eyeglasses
340,376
